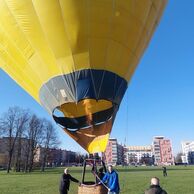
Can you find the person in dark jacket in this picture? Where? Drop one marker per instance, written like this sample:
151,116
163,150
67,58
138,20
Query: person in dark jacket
155,187
164,171
112,180
65,182
101,173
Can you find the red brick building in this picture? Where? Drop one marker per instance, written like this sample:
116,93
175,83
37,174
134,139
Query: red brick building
114,152
162,149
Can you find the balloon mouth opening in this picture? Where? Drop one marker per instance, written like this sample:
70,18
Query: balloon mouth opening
83,122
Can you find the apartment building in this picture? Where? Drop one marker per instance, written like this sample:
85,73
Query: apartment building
114,152
162,151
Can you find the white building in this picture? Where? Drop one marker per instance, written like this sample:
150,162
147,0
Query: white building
134,154
156,148
187,148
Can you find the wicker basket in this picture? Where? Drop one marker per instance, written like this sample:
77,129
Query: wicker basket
92,189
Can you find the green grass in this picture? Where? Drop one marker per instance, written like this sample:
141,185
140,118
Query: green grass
133,180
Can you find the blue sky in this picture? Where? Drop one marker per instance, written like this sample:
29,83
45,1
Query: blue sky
160,97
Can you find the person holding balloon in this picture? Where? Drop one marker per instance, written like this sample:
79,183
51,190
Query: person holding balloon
112,181
65,182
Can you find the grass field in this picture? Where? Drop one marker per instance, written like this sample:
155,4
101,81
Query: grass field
133,180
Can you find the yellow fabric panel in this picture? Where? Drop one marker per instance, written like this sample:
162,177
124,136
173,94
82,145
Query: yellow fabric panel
118,18
52,24
135,41
84,107
54,30
137,8
93,139
76,26
9,24
98,52
158,4
31,89
99,13
28,62
17,54
115,57
99,20
27,19
98,144
141,9
148,30
13,55
14,62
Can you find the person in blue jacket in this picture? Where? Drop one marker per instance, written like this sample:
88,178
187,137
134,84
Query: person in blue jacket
112,181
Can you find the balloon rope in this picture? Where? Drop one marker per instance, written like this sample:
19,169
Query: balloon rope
100,180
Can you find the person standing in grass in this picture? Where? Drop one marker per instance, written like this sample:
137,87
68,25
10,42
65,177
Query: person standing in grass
112,180
164,171
155,187
65,182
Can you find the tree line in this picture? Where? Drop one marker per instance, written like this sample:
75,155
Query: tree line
24,132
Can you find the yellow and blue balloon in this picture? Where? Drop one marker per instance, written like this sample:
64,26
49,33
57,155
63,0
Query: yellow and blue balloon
76,57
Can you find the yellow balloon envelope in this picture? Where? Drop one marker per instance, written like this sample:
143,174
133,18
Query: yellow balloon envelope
76,57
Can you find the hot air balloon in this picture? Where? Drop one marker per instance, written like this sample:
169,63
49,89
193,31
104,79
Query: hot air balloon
76,57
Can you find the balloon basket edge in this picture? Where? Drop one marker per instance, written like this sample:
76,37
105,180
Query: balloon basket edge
92,189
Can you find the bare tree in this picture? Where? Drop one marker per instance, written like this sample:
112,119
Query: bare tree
49,141
12,124
24,133
34,133
23,120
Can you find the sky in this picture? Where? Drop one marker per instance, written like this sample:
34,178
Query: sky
160,96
